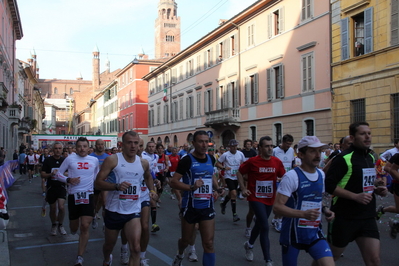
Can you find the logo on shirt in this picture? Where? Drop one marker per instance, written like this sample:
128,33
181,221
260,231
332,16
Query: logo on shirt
83,166
267,170
123,165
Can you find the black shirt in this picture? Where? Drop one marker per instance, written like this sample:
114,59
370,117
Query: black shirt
49,164
250,153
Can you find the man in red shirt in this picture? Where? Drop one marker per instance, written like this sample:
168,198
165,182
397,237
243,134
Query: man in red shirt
174,159
262,172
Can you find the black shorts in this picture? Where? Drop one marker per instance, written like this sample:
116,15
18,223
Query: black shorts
161,177
31,167
341,231
116,221
395,189
96,191
54,193
192,215
231,184
76,211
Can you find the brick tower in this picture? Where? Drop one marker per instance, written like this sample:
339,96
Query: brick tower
167,30
96,69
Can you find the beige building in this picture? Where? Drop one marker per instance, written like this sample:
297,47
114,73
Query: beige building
365,68
265,71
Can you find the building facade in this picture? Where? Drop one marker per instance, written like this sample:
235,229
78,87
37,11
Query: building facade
265,71
365,67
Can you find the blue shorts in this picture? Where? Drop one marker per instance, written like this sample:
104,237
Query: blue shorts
145,204
317,250
116,221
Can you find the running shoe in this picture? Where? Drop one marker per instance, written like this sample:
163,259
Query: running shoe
177,261
109,263
144,262
269,263
43,212
158,205
380,212
124,256
273,222
192,255
278,225
79,261
248,232
235,217
249,254
240,196
94,223
223,208
155,228
61,229
394,225
54,230
172,197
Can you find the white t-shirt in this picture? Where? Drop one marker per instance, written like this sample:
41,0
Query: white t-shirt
285,157
152,159
233,161
289,182
84,167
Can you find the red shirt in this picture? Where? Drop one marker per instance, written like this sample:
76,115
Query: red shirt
174,161
262,175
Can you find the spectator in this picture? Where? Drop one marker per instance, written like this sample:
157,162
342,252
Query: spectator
21,161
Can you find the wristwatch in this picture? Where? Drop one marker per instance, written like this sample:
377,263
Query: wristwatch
192,187
117,186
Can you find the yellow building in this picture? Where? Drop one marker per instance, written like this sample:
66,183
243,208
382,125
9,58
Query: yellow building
365,68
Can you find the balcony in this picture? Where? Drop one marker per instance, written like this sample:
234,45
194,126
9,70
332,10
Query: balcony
14,113
222,118
24,126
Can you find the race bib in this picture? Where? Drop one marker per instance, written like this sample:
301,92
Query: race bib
82,197
205,191
264,189
131,193
306,205
160,166
52,170
234,170
369,176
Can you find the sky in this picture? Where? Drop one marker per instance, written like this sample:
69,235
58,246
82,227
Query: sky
64,33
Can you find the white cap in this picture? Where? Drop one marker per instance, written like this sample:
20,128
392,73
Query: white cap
311,141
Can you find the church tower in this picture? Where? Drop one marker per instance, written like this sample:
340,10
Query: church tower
167,30
96,69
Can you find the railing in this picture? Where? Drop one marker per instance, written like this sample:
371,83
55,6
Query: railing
223,116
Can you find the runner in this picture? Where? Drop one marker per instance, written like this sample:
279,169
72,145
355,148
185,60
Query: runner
299,201
163,169
287,156
351,180
174,161
56,190
230,162
31,161
123,204
82,169
262,172
196,169
40,164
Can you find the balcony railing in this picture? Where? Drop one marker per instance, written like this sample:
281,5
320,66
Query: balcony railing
223,117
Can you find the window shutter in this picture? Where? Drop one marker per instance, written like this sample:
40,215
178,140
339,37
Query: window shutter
236,51
218,53
211,57
310,73
269,87
282,89
344,38
395,22
211,100
217,98
249,36
227,48
229,96
269,25
246,90
281,20
256,97
236,100
303,9
187,107
368,30
206,101
205,60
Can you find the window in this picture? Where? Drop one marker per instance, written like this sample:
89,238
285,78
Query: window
309,127
251,29
395,115
70,91
198,103
151,118
181,108
362,32
166,114
278,133
208,58
189,107
181,73
307,9
174,111
131,122
251,89
307,72
276,22
170,38
158,115
275,82
233,44
190,68
130,98
198,63
55,90
394,22
222,97
208,99
358,110
252,130
235,94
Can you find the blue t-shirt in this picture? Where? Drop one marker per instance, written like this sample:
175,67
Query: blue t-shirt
100,158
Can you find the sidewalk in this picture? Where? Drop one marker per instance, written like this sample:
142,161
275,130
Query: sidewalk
4,249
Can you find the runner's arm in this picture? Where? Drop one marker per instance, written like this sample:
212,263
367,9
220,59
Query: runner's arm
279,208
108,165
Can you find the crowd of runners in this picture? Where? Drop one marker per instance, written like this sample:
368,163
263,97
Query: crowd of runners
298,183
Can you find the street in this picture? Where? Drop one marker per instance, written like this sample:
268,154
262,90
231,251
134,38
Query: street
30,242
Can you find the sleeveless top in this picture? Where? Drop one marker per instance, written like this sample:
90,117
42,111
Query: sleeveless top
128,201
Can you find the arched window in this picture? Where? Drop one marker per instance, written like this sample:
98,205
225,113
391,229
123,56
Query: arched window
55,90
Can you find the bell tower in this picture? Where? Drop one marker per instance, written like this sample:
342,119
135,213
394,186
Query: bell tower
167,30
